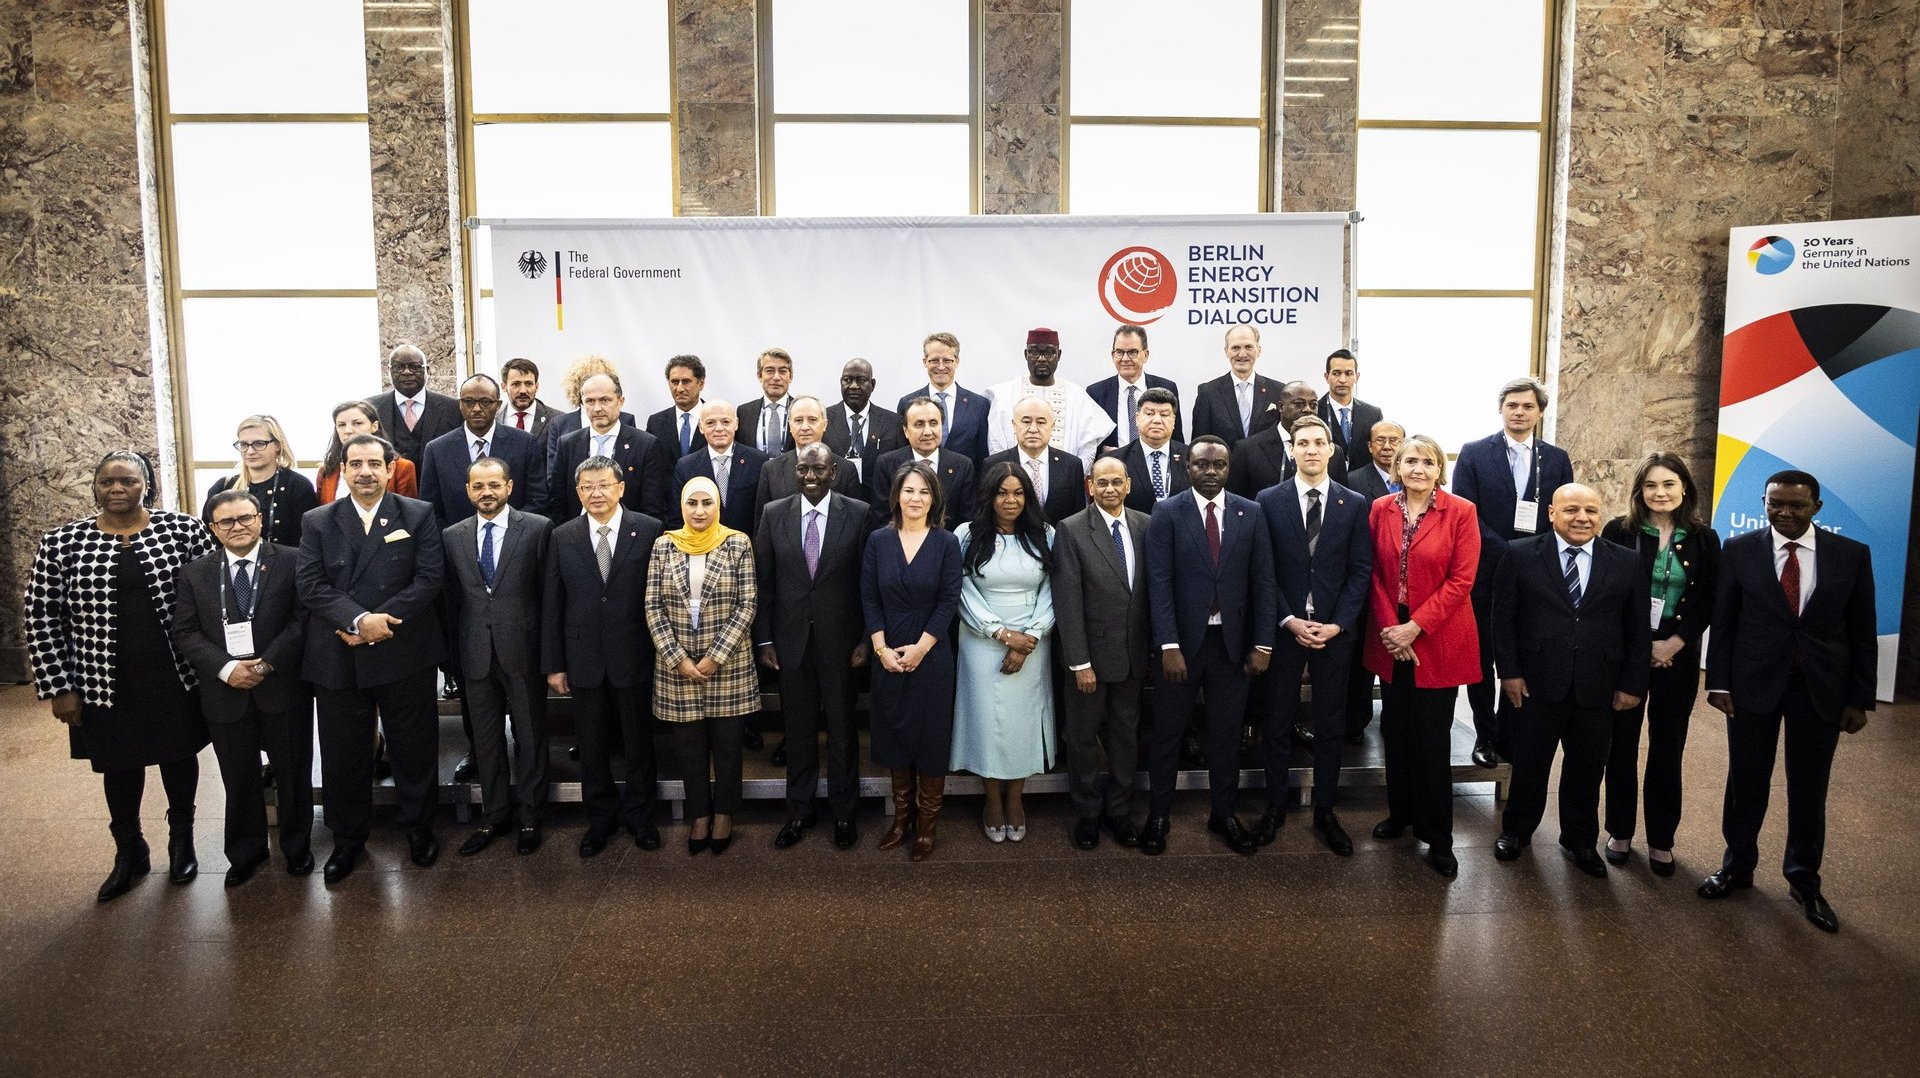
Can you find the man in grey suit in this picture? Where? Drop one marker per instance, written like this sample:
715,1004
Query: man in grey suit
1100,607
496,573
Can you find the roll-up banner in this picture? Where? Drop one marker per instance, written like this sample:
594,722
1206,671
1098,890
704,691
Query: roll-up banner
831,289
1822,374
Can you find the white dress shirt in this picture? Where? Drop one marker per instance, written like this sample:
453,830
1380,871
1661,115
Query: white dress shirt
1582,565
593,531
499,523
1805,558
252,561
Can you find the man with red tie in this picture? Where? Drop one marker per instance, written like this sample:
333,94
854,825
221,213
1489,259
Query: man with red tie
525,410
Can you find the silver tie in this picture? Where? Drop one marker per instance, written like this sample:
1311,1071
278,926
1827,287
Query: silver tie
603,554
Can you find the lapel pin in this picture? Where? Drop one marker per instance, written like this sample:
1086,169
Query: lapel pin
383,522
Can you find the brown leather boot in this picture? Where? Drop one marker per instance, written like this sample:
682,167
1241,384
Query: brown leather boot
933,790
902,811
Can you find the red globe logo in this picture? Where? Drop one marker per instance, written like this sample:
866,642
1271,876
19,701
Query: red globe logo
1138,285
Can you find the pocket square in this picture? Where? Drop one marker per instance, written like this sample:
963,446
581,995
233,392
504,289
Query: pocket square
394,537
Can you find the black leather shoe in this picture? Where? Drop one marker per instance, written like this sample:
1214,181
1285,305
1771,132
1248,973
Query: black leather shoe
1660,868
778,757
479,840
464,771
1153,837
1817,910
422,847
341,862
1389,828
241,873
1507,847
182,865
449,686
1616,857
1586,860
1086,833
127,867
646,836
593,842
846,834
527,840
1723,883
302,865
790,834
1267,827
752,741
1483,753
1238,838
1123,831
1302,735
1443,862
1326,826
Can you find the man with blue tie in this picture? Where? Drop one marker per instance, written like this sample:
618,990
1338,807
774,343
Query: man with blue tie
678,424
644,460
733,467
1156,460
763,420
963,413
1347,416
1373,476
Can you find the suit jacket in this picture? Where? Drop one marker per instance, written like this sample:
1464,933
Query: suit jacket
1441,566
956,482
279,631
439,415
443,472
1262,461
539,417
665,425
1364,417
397,568
1757,642
1216,409
1100,611
966,421
1066,482
560,426
1337,572
644,463
883,436
728,600
1482,476
1106,394
739,503
595,631
1140,495
1699,555
502,622
1582,654
749,417
1362,476
824,608
1185,583
777,480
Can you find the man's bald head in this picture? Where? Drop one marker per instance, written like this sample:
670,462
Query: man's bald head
1575,513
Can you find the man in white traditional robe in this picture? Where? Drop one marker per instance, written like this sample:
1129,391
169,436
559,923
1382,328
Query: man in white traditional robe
1079,425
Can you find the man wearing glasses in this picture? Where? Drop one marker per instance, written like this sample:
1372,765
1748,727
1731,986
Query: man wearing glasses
1120,395
1079,427
443,471
412,415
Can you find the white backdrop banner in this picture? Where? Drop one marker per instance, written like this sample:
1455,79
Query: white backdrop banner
831,289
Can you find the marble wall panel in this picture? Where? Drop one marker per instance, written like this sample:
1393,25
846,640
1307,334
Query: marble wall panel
1021,57
1317,145
713,42
1021,82
83,57
717,128
16,58
1877,150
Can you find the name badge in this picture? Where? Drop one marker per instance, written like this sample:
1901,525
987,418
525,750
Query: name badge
240,639
1526,516
1659,608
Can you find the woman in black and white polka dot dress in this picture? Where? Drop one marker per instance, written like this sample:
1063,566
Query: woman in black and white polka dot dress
99,607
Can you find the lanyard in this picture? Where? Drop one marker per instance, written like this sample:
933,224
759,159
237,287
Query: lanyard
226,570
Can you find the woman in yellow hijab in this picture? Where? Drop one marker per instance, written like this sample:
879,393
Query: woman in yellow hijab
700,603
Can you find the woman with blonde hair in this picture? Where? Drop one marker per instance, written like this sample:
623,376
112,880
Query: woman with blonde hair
266,472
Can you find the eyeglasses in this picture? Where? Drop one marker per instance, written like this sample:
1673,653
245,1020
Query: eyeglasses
245,520
589,490
1129,353
258,443
479,402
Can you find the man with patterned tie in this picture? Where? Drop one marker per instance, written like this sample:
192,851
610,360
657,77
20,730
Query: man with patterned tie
525,410
859,430
677,426
1349,417
763,420
1156,461
1793,644
1119,397
1057,477
733,467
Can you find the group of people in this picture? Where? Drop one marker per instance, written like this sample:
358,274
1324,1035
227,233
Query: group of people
1016,576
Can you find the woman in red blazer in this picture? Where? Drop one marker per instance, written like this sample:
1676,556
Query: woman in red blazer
1426,549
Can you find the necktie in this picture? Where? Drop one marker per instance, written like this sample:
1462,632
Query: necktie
1521,457
1245,390
1120,551
686,434
859,438
945,419
479,448
1346,426
243,589
1573,575
1213,550
1313,521
1789,578
1159,476
722,467
1133,427
486,553
520,420
600,444
810,543
408,410
1393,487
603,553
1039,486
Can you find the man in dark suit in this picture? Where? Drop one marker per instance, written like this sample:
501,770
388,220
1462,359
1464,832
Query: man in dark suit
1210,575
1120,396
677,426
1793,642
1265,459
1156,461
370,571
644,460
806,421
1570,629
1323,563
1100,602
443,466
963,413
595,647
763,420
1371,472
1239,403
237,620
858,430
808,628
1347,416
1057,477
1510,478
525,410
496,577
734,467
412,415
920,422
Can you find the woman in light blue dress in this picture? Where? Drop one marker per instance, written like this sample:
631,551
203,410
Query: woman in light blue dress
1003,707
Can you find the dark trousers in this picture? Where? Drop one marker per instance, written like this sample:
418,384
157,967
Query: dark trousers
181,778
1416,727
1668,709
1109,714
409,714
1491,711
1329,709
1583,733
287,739
611,719
712,741
1225,682
1752,737
820,687
492,699
1359,681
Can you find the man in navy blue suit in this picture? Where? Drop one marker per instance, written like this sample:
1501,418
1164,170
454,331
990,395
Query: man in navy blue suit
1210,573
721,456
1323,561
1793,642
444,463
1510,478
963,412
644,461
1120,395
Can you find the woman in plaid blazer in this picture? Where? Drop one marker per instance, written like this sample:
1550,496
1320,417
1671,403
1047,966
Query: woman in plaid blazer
700,602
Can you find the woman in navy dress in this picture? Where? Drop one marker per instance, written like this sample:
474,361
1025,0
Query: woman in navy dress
910,589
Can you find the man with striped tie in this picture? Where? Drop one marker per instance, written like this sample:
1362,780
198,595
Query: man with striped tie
1156,461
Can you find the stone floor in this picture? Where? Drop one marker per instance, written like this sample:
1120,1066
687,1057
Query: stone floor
1025,958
